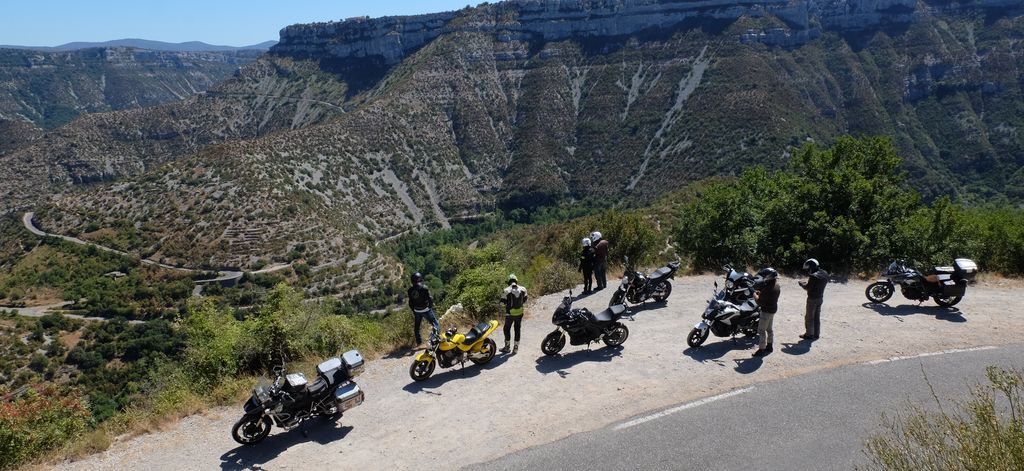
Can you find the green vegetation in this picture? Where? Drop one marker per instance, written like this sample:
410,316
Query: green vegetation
984,432
100,283
847,206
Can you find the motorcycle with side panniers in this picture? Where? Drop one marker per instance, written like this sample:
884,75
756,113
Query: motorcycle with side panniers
946,285
291,399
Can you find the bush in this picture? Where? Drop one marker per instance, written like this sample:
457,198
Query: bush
551,276
974,436
41,420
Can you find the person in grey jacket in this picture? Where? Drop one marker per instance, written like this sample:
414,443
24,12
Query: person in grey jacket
815,287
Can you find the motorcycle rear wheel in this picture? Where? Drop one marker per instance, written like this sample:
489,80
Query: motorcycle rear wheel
421,369
618,334
251,429
697,337
553,343
662,291
485,354
879,292
947,301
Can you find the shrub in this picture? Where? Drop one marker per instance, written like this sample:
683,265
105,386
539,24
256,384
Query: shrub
976,435
41,420
551,276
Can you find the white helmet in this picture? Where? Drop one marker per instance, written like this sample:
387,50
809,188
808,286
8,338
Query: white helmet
586,242
596,236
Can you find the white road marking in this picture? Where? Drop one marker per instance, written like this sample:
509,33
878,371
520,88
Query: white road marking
683,407
931,354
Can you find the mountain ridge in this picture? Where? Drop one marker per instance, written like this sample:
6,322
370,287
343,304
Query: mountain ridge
187,46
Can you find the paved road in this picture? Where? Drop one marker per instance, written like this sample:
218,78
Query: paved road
814,421
40,311
223,275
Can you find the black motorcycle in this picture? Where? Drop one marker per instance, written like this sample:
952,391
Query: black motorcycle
637,287
947,285
584,326
731,311
291,399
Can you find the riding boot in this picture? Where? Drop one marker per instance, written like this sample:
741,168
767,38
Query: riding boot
505,349
769,348
515,349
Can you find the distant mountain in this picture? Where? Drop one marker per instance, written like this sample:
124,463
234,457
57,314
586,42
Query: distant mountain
52,88
190,46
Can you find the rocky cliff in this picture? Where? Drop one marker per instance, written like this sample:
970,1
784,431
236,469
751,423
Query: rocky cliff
390,39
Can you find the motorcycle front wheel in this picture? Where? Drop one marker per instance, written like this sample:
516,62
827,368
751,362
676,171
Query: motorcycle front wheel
616,336
947,301
553,343
616,298
251,429
879,292
662,291
421,369
697,337
485,354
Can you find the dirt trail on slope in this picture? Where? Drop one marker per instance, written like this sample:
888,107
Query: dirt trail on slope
463,416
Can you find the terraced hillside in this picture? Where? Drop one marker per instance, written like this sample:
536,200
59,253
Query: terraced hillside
349,133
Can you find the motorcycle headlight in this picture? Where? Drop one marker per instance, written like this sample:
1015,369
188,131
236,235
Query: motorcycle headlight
262,395
729,284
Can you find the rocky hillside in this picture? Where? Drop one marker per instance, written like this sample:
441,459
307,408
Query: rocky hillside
351,132
52,88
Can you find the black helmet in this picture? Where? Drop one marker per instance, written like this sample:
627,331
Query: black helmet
417,277
767,274
811,265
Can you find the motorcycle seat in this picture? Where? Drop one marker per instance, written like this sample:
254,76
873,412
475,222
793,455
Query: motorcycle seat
611,313
661,273
317,387
476,332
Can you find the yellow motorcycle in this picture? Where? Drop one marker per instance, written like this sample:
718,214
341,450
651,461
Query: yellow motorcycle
453,347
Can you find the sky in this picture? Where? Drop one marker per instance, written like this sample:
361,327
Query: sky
219,22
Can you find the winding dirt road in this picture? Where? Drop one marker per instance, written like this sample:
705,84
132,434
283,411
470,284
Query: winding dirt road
472,415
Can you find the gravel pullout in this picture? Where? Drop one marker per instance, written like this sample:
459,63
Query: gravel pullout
471,415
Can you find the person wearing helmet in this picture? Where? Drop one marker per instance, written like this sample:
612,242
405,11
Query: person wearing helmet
515,298
422,305
815,287
600,259
767,297
587,265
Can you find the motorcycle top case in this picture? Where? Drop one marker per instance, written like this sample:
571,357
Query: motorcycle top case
353,361
965,268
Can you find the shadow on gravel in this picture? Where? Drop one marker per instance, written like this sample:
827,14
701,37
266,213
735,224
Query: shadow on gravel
442,376
799,348
714,351
949,314
647,306
402,352
748,365
559,363
254,456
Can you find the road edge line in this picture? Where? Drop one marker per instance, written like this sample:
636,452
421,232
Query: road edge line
929,354
682,407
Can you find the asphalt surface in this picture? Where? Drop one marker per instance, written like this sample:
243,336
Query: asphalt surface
815,421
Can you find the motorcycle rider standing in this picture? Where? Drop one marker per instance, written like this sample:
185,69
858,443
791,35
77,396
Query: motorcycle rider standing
587,266
767,296
815,287
422,305
515,298
600,259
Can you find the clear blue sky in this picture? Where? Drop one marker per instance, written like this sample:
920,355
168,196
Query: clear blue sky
221,22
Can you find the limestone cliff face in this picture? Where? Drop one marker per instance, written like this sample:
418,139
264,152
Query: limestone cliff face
390,39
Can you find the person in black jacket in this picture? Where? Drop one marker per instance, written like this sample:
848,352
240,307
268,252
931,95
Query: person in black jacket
422,305
815,287
515,298
767,296
587,259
